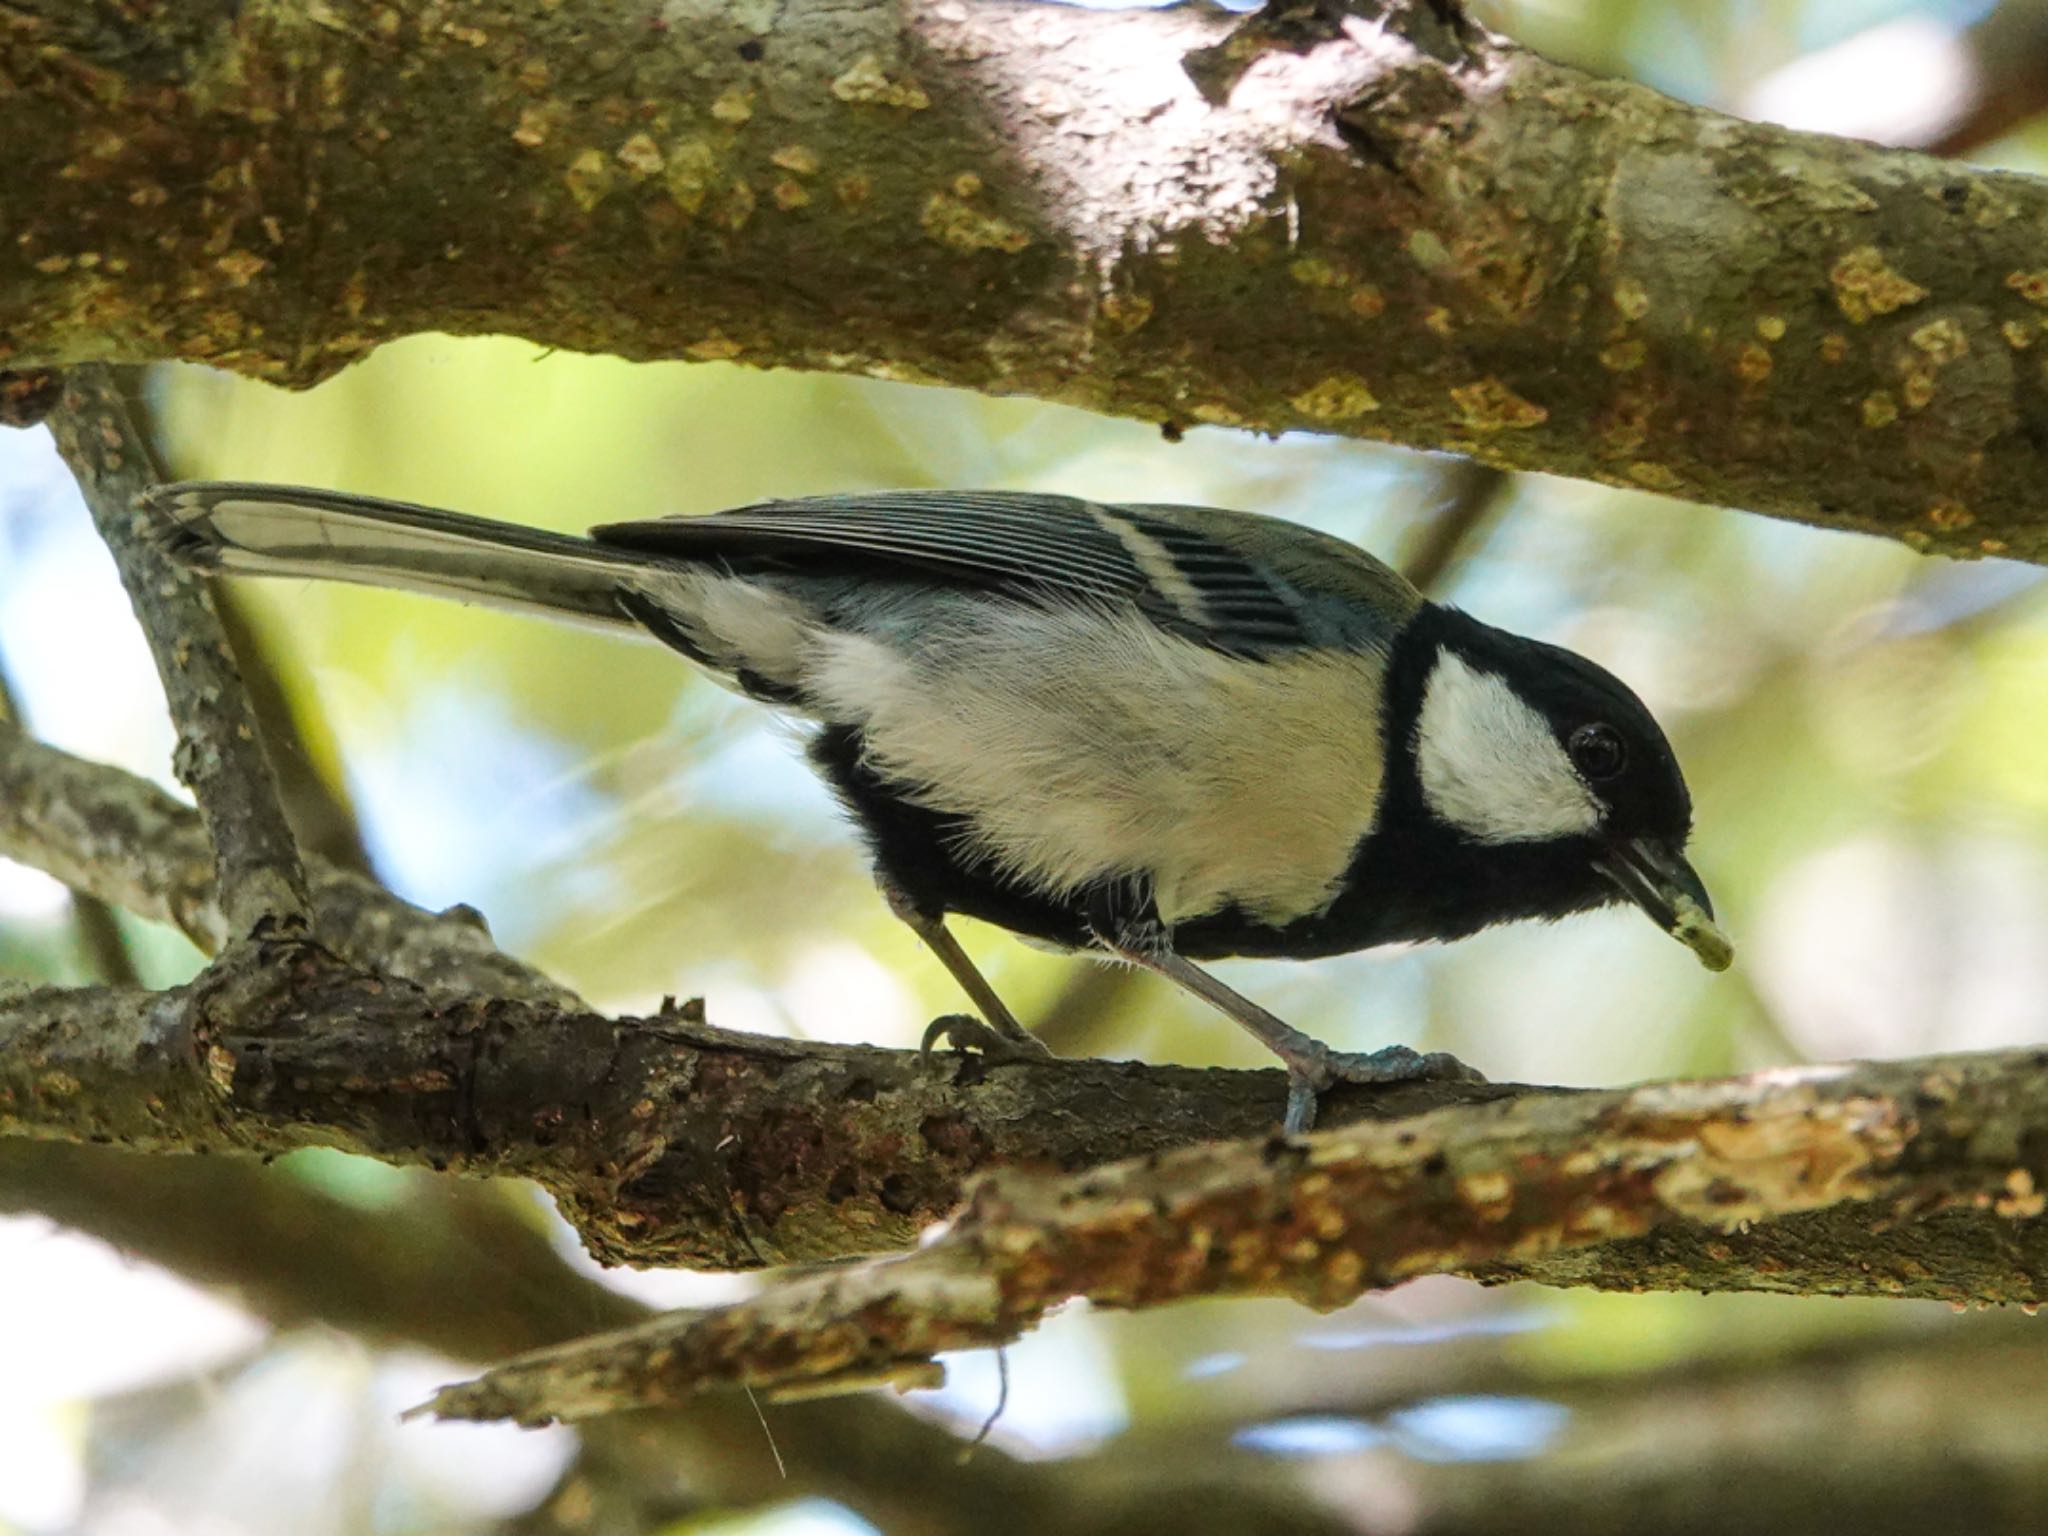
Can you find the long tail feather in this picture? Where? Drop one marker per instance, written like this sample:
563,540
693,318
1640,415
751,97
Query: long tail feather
283,530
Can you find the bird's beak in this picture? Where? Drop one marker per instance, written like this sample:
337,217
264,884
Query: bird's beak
1654,875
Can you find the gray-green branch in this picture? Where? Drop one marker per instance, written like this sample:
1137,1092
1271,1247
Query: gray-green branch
1366,221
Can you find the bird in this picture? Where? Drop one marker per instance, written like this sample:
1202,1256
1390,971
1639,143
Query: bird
1155,734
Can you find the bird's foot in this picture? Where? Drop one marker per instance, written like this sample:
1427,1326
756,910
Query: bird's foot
963,1031
1311,1070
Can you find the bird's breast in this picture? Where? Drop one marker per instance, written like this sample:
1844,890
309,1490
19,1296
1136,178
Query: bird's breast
1076,746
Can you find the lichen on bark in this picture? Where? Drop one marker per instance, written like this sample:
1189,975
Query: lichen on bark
1375,221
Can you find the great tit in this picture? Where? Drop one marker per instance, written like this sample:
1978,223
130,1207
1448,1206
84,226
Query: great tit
1157,734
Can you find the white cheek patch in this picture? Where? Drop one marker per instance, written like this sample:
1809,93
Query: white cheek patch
1491,766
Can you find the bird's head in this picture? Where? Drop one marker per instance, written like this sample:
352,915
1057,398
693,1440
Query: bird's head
1545,783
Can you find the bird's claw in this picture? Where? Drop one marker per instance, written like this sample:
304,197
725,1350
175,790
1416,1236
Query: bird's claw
1309,1075
963,1032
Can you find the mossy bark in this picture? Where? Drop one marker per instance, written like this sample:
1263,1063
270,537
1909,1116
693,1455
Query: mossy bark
1374,219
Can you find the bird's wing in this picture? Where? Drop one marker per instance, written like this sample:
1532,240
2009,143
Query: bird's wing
1237,582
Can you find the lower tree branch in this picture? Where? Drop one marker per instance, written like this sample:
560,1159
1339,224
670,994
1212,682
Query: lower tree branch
667,1141
1498,1188
1946,1431
295,1254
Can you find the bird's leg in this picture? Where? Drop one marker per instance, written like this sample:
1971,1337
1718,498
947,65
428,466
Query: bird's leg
996,1032
1311,1065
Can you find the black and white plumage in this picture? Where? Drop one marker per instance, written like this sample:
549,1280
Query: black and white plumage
1160,733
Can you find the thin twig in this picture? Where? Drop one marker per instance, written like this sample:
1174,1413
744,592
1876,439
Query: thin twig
995,1413
320,811
1094,997
781,1468
99,931
1468,493
219,755
107,955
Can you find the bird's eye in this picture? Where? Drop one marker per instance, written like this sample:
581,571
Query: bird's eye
1598,751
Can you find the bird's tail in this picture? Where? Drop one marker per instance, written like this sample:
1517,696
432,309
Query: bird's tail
283,530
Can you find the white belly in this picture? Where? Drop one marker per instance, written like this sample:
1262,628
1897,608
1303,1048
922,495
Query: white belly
1079,744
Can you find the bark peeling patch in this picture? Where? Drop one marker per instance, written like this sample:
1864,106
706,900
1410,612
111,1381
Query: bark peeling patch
867,83
956,218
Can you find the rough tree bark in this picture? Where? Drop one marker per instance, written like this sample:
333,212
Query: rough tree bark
218,754
1373,218
1323,1220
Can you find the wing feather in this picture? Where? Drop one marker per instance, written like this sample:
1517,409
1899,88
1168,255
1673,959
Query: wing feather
1050,541
1235,581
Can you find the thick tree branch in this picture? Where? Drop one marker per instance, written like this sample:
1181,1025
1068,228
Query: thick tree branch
1377,222
666,1141
219,754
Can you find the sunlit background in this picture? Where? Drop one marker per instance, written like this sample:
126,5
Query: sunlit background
1863,729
